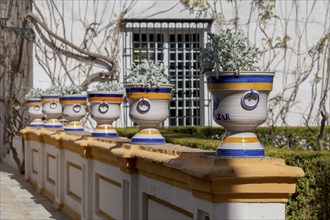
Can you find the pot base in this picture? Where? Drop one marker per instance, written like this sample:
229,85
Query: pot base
148,136
36,123
105,130
241,145
53,124
74,126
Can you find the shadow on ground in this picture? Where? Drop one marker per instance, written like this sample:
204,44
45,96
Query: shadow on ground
20,200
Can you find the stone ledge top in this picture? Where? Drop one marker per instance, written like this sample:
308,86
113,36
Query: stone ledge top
197,170
176,156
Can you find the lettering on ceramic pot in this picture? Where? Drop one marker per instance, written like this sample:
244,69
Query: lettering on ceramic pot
216,103
222,117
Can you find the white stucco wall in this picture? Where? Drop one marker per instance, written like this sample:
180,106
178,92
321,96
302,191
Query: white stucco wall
74,11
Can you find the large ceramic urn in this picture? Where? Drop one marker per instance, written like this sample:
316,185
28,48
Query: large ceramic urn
52,108
35,112
148,107
240,105
105,109
74,108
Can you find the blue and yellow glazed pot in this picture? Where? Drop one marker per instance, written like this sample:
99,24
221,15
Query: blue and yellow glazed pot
240,105
52,108
148,107
105,109
74,108
35,112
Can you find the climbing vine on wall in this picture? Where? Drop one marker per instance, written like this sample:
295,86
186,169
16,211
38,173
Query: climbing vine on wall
293,38
63,55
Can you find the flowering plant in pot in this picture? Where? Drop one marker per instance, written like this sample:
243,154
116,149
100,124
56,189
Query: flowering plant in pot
105,100
148,92
239,90
74,101
51,107
33,101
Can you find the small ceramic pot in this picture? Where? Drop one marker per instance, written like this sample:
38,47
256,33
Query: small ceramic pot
105,109
52,108
240,105
148,107
35,112
74,108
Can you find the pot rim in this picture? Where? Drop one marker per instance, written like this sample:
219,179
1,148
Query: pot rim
129,85
33,99
243,73
105,92
73,95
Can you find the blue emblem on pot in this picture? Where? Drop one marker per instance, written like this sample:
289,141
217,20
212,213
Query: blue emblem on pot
76,108
103,108
250,100
143,106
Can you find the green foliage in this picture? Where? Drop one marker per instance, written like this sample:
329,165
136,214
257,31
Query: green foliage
127,132
34,93
311,199
72,89
227,51
173,137
295,138
53,90
108,86
147,74
198,131
189,140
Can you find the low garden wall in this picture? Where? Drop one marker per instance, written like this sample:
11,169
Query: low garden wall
294,144
95,178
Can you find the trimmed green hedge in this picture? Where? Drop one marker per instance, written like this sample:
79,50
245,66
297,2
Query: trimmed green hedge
296,138
312,197
176,138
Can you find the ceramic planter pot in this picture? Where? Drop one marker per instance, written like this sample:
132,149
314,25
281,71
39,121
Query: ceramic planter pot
52,108
105,109
35,112
148,107
240,105
74,108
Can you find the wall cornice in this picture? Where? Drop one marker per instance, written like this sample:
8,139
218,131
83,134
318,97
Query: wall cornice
208,177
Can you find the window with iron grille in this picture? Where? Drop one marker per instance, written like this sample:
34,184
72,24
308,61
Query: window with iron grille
175,43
